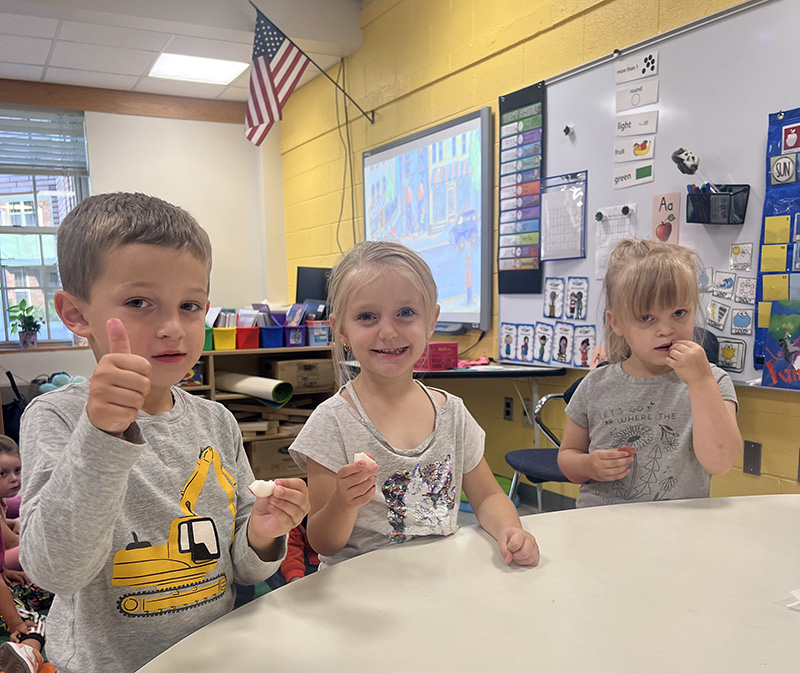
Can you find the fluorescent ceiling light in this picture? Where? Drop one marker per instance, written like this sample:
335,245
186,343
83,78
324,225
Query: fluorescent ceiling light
197,69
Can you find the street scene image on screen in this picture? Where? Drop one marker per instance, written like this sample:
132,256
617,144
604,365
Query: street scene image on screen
428,192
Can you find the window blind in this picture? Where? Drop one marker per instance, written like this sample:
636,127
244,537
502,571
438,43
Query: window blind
42,141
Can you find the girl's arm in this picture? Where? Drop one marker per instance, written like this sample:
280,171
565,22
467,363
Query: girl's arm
715,433
335,501
498,516
9,611
10,538
580,466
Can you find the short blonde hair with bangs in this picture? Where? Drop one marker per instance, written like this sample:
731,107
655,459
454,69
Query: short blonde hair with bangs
644,276
359,267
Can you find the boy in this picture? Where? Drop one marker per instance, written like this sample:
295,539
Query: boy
136,510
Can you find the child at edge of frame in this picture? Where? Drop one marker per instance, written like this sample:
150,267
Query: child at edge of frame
387,457
166,523
660,419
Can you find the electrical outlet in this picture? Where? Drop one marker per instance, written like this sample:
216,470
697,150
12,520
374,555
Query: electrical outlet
508,409
751,459
527,414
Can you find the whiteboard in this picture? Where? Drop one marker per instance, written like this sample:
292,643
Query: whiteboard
717,84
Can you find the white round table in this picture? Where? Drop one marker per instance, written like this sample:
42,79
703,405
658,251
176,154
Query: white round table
677,586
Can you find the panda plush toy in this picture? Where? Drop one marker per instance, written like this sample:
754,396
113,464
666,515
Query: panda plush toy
686,162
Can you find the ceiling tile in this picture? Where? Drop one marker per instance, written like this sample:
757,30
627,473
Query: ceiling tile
20,71
112,36
30,50
104,59
28,26
102,80
196,46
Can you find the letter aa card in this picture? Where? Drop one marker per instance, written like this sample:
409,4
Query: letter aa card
562,343
584,341
543,342
553,297
577,296
525,343
508,341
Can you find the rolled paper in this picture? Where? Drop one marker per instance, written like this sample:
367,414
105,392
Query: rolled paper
255,386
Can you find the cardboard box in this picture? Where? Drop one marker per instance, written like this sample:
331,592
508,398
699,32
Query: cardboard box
270,458
304,375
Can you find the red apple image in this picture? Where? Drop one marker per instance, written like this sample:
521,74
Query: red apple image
663,231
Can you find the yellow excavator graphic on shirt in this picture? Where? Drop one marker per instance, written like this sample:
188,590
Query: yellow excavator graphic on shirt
181,570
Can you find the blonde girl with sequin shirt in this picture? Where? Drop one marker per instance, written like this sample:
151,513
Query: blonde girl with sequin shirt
424,445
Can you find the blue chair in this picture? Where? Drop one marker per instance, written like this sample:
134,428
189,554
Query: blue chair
540,465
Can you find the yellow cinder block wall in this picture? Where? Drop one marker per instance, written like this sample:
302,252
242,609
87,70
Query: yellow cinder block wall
425,61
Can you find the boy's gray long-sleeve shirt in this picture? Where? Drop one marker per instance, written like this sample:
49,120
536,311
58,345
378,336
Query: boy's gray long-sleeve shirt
140,538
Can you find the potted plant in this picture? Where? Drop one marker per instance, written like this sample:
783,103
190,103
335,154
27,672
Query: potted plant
24,321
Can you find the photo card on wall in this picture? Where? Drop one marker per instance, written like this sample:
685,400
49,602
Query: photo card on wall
577,297
508,341
553,297
543,345
584,341
525,343
562,343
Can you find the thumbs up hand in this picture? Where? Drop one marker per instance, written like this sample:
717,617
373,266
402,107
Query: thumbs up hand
119,385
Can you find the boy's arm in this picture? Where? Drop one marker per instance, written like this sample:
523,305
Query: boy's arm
335,501
498,516
73,490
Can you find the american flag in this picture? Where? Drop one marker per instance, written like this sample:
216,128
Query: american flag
277,67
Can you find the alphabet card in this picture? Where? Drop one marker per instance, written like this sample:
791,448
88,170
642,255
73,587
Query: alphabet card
508,341
666,217
562,343
543,342
553,297
718,314
577,296
584,342
525,343
723,284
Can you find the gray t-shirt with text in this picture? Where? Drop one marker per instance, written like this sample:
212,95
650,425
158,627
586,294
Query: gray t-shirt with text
652,415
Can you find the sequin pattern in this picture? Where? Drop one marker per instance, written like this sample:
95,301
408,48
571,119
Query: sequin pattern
420,502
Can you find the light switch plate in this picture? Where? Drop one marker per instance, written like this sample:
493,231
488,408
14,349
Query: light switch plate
751,460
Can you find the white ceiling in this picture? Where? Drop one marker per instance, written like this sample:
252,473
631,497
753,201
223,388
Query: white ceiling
112,44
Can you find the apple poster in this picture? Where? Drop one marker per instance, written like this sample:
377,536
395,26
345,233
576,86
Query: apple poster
666,217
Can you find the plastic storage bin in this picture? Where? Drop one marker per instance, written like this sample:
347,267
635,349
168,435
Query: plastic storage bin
272,337
318,332
246,337
728,206
208,344
438,355
224,338
295,336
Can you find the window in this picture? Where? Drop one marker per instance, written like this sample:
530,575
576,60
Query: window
43,175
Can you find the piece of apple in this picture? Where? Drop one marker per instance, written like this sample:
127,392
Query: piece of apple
261,488
627,449
365,457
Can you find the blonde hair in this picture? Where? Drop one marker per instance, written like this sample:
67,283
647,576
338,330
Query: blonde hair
101,224
644,276
365,262
8,446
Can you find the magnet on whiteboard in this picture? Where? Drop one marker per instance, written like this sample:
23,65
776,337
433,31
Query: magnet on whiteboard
568,130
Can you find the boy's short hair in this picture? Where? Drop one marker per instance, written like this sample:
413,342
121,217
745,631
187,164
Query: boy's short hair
100,224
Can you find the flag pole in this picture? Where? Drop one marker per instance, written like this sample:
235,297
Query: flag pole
369,115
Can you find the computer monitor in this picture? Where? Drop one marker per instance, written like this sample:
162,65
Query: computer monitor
312,283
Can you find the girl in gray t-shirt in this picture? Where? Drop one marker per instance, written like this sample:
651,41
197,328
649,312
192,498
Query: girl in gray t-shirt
659,420
424,445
